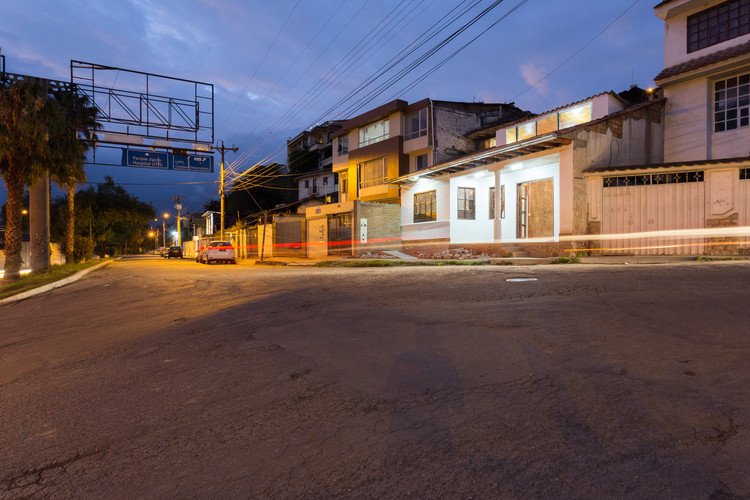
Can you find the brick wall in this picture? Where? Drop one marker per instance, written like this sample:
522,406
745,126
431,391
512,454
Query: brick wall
723,245
383,226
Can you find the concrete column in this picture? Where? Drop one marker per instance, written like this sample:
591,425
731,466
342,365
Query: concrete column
39,204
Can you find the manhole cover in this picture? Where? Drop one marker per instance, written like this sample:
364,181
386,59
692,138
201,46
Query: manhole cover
515,280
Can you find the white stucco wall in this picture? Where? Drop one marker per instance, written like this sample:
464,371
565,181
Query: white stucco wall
426,230
479,230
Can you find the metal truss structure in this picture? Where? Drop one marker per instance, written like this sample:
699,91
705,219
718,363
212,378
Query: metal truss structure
173,113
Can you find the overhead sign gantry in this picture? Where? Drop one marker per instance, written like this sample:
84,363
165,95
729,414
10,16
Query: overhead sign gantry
158,121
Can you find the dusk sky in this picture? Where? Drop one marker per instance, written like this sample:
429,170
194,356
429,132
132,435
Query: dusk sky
280,67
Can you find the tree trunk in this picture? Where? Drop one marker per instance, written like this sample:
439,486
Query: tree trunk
70,227
13,231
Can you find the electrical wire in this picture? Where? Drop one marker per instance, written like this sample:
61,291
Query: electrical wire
577,51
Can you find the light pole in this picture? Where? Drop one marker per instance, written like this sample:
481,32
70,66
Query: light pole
164,229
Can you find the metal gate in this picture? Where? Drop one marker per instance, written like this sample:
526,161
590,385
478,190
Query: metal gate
289,237
340,234
660,203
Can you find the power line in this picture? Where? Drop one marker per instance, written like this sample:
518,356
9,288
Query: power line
577,51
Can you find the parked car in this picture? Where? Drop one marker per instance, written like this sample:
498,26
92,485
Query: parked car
218,251
174,251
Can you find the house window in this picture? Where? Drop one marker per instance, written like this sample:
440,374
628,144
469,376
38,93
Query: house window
575,116
489,143
510,135
732,103
420,162
307,183
342,146
373,172
375,132
492,202
466,203
416,125
424,207
315,185
718,24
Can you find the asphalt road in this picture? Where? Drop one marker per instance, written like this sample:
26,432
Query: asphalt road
160,379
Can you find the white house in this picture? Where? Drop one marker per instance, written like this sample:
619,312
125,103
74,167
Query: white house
530,187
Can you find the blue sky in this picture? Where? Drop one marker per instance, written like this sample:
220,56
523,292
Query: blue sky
279,67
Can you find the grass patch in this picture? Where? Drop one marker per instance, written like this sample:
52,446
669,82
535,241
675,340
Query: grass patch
45,277
394,263
703,258
573,259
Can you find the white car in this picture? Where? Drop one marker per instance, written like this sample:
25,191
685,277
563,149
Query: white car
218,251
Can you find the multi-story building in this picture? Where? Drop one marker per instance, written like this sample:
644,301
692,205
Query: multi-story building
311,150
397,138
698,199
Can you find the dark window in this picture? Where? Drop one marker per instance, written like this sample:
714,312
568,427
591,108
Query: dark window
420,162
424,207
466,203
648,179
718,24
732,103
744,174
307,183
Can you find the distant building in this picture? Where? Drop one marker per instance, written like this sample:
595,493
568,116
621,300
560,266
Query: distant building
311,150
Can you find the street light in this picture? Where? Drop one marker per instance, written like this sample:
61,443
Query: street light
152,234
164,229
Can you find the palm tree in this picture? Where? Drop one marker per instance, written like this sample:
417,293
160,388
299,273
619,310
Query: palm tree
79,120
27,122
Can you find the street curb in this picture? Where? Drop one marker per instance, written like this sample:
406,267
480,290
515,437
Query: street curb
52,286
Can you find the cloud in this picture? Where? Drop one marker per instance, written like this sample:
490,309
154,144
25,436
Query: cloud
533,75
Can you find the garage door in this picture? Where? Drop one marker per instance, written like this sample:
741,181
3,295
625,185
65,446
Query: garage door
744,204
659,203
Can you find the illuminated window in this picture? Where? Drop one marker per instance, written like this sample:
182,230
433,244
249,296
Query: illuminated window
718,24
373,172
547,124
526,131
575,116
492,202
375,132
466,203
424,207
510,135
732,103
489,143
416,125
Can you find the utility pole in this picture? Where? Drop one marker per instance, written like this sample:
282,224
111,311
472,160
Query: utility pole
178,206
221,149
